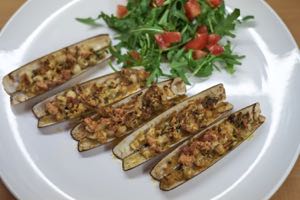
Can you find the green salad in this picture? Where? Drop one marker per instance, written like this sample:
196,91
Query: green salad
191,36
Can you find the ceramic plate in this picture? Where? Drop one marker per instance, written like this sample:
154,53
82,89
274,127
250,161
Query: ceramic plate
44,163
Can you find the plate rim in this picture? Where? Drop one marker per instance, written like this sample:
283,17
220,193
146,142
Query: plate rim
279,183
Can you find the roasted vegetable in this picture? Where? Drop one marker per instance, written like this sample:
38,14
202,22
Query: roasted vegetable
122,118
54,69
207,147
173,127
86,98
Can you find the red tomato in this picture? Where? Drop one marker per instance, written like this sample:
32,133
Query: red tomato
135,55
192,9
197,54
216,49
213,39
214,3
159,2
121,11
165,39
202,29
160,41
171,37
198,43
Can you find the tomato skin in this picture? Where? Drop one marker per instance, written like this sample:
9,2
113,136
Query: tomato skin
198,43
135,55
197,54
121,11
159,3
202,29
214,3
171,37
160,41
192,9
216,49
164,40
213,39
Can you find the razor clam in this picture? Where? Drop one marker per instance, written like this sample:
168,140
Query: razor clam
173,126
54,69
207,147
78,101
123,117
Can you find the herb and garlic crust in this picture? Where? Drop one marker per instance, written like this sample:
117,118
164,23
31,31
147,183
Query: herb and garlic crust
207,147
122,118
172,127
56,68
86,98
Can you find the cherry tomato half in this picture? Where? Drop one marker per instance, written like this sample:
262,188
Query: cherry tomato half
213,39
197,54
192,9
216,49
214,3
198,43
121,11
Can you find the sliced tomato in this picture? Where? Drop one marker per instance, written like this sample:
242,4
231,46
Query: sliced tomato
159,3
198,43
213,39
197,54
214,3
160,41
216,49
135,55
164,40
171,37
202,29
121,11
192,9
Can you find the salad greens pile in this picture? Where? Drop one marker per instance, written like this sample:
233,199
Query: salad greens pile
145,36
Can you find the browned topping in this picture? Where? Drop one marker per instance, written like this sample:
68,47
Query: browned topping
112,90
77,102
57,68
201,152
116,122
66,106
195,117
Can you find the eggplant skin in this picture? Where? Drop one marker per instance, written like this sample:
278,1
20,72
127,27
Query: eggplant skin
256,113
55,69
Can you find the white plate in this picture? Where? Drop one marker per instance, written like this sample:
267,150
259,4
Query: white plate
44,164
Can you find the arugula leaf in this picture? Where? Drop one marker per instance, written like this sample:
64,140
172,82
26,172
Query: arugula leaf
227,25
88,21
137,30
247,18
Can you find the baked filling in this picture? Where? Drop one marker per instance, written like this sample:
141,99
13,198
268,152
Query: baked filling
203,151
116,122
195,117
77,101
57,68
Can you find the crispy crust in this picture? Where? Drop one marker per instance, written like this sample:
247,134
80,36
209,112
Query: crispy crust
12,81
158,173
80,133
41,110
132,158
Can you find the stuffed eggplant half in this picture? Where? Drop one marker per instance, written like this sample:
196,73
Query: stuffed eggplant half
207,147
54,69
173,126
125,116
84,99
